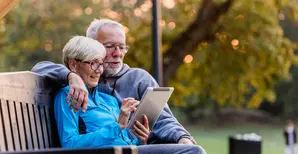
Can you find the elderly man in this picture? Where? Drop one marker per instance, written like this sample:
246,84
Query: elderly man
118,80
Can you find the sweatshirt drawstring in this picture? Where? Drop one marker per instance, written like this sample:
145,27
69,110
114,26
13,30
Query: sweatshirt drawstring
114,86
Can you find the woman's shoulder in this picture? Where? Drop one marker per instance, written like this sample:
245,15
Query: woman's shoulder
106,96
63,92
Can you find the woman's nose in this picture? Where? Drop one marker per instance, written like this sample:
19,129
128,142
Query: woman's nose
99,70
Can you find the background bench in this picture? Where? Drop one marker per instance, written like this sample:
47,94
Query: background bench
27,123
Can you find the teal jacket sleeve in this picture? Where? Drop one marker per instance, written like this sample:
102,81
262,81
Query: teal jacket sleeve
67,124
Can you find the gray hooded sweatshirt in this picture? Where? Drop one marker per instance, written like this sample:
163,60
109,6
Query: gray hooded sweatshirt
129,82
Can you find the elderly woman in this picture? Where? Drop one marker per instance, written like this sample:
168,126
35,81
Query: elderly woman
105,122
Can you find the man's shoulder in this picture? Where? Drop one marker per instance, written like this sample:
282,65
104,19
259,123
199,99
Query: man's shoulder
137,71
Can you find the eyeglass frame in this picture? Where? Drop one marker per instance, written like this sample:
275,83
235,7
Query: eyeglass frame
115,45
91,62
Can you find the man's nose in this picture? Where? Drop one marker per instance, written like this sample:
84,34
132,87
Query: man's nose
117,52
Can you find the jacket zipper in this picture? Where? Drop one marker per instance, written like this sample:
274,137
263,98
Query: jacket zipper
111,113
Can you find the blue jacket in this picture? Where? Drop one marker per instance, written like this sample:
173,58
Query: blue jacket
129,82
100,119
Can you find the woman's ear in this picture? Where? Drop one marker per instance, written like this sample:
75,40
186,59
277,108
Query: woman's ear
72,65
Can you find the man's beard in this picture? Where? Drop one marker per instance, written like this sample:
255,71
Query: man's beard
113,71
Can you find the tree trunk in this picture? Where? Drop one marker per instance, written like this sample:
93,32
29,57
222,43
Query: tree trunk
198,31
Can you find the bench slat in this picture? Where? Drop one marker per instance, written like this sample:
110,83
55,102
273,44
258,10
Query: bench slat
32,126
2,141
48,118
38,125
14,126
21,125
7,126
24,87
27,126
44,126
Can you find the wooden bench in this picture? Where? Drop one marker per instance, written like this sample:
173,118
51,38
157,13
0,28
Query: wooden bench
27,123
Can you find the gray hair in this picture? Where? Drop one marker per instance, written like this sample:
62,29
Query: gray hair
82,48
97,24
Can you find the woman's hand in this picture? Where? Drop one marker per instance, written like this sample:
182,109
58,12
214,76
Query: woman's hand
142,130
128,105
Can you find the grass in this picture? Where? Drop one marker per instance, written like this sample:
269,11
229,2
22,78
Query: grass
215,140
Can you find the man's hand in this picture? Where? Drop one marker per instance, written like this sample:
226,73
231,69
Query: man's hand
142,130
186,141
77,92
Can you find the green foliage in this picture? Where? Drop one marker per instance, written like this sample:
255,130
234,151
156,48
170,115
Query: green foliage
243,73
249,55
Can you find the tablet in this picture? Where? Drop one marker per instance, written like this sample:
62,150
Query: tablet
152,103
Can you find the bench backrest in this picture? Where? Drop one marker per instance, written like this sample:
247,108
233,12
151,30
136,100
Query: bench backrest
26,115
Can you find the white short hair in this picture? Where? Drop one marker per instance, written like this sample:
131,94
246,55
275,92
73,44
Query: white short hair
82,48
97,24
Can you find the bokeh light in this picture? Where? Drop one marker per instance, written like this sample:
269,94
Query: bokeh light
281,16
126,29
95,1
204,43
171,25
146,6
169,4
132,2
88,10
77,12
48,47
188,59
162,23
137,12
234,42
112,14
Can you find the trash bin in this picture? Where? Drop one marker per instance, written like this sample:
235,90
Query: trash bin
245,144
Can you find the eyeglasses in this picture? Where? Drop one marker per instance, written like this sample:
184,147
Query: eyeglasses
94,65
113,47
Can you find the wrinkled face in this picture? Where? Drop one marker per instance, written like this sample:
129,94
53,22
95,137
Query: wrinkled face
114,42
89,71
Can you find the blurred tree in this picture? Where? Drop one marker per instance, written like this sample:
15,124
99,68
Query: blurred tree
286,103
248,55
231,53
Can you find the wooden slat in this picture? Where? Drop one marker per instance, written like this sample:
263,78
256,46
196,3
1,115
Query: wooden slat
7,126
25,87
27,126
6,6
117,150
44,126
38,125
48,118
2,140
32,126
21,125
14,126
134,150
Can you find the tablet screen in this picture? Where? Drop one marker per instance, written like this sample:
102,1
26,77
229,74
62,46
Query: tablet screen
151,105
